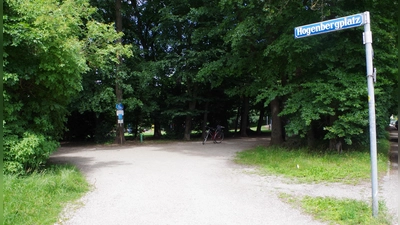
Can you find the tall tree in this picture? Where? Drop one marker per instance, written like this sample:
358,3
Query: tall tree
46,47
246,37
191,51
120,137
325,92
188,47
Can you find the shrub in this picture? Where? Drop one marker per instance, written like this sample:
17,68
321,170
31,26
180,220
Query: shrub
28,153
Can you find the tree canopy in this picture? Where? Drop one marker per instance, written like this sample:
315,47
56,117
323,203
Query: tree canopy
184,64
48,47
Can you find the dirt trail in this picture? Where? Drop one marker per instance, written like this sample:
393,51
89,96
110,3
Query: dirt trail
191,183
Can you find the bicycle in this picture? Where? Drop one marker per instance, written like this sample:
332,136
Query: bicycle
216,134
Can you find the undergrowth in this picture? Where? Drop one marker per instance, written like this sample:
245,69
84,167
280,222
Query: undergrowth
39,198
339,211
352,166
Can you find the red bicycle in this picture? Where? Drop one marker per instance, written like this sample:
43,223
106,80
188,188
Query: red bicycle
216,134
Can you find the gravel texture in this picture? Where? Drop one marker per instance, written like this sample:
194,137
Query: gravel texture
190,183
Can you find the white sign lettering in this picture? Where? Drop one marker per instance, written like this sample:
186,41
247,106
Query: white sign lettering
329,26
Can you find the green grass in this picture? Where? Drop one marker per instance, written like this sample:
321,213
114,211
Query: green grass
350,167
339,211
39,198
147,133
304,165
264,128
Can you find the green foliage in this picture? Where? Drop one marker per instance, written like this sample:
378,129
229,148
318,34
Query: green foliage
28,153
61,61
321,79
48,46
99,48
350,167
189,49
340,96
43,65
39,198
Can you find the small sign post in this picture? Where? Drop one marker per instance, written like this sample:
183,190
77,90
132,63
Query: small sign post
120,113
345,23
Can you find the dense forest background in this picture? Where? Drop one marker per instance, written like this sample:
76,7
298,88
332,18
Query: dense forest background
179,65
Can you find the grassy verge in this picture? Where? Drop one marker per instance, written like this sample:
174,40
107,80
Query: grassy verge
39,198
350,167
304,165
339,211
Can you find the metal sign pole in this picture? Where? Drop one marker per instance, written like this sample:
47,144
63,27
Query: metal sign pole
367,36
345,23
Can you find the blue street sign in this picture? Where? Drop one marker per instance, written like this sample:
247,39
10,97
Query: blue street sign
119,106
330,25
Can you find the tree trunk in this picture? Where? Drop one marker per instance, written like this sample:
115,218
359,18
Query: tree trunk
260,119
120,137
245,116
188,121
205,118
332,142
277,129
311,137
157,128
237,119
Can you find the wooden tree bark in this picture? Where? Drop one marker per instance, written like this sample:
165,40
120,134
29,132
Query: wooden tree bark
205,118
157,128
311,137
237,119
188,121
277,130
120,137
245,116
332,142
260,119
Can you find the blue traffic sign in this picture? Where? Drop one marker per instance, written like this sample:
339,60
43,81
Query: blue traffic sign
119,106
330,25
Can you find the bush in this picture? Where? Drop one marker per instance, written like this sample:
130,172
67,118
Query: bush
26,154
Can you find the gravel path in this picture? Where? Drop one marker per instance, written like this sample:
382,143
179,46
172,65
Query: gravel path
188,183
